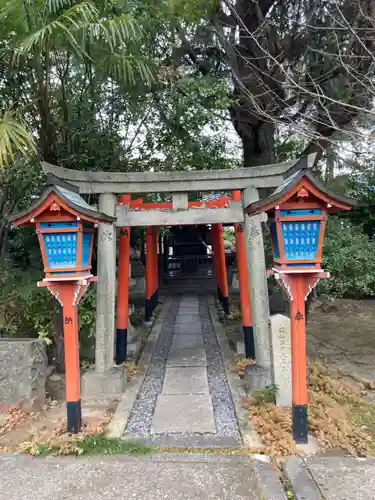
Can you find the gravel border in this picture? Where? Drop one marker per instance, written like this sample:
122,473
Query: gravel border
140,419
119,420
249,435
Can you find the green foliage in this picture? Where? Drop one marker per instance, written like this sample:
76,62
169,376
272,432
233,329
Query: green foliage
265,395
14,138
94,444
87,316
349,256
25,309
99,444
229,239
87,321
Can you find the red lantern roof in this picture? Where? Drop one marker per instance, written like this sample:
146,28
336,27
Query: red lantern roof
300,187
59,197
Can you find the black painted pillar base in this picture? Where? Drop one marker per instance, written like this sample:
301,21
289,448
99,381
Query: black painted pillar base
225,304
74,416
248,337
150,305
219,295
121,345
299,418
154,300
148,310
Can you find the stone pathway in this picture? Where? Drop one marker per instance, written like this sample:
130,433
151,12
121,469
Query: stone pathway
162,477
185,400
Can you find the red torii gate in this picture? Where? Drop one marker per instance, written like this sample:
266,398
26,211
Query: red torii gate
152,278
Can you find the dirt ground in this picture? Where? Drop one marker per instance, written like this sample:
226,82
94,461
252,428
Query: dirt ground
17,427
341,381
342,335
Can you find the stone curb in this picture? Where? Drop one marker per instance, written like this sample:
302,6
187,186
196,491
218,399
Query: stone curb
269,484
303,485
116,427
249,435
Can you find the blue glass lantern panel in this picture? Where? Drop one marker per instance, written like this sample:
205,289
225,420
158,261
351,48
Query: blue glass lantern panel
275,241
86,245
300,238
60,248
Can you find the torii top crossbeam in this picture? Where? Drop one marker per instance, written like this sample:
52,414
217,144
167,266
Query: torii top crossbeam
179,184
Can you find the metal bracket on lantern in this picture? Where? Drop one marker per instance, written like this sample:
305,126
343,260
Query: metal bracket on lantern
80,287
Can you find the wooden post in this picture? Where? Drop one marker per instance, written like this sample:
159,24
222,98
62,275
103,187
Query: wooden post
299,387
215,258
297,287
222,270
165,255
72,369
149,274
160,250
155,267
123,290
247,325
69,293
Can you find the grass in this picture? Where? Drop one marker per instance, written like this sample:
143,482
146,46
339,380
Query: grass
94,444
362,415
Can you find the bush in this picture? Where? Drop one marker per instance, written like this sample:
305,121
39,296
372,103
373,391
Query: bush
350,258
29,311
25,309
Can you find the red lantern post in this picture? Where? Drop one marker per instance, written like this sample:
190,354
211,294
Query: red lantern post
65,227
298,213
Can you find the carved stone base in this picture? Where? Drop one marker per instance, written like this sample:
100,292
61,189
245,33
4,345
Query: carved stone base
103,385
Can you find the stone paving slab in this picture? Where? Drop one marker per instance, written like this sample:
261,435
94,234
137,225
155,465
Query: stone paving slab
224,432
183,413
187,329
186,380
187,341
192,299
187,319
162,477
187,311
340,478
188,304
197,440
187,357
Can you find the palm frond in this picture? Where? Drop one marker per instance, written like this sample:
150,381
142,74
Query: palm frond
14,137
56,5
64,27
118,31
125,69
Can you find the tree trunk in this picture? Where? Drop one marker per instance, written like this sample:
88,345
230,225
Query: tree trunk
47,132
330,168
259,146
4,234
